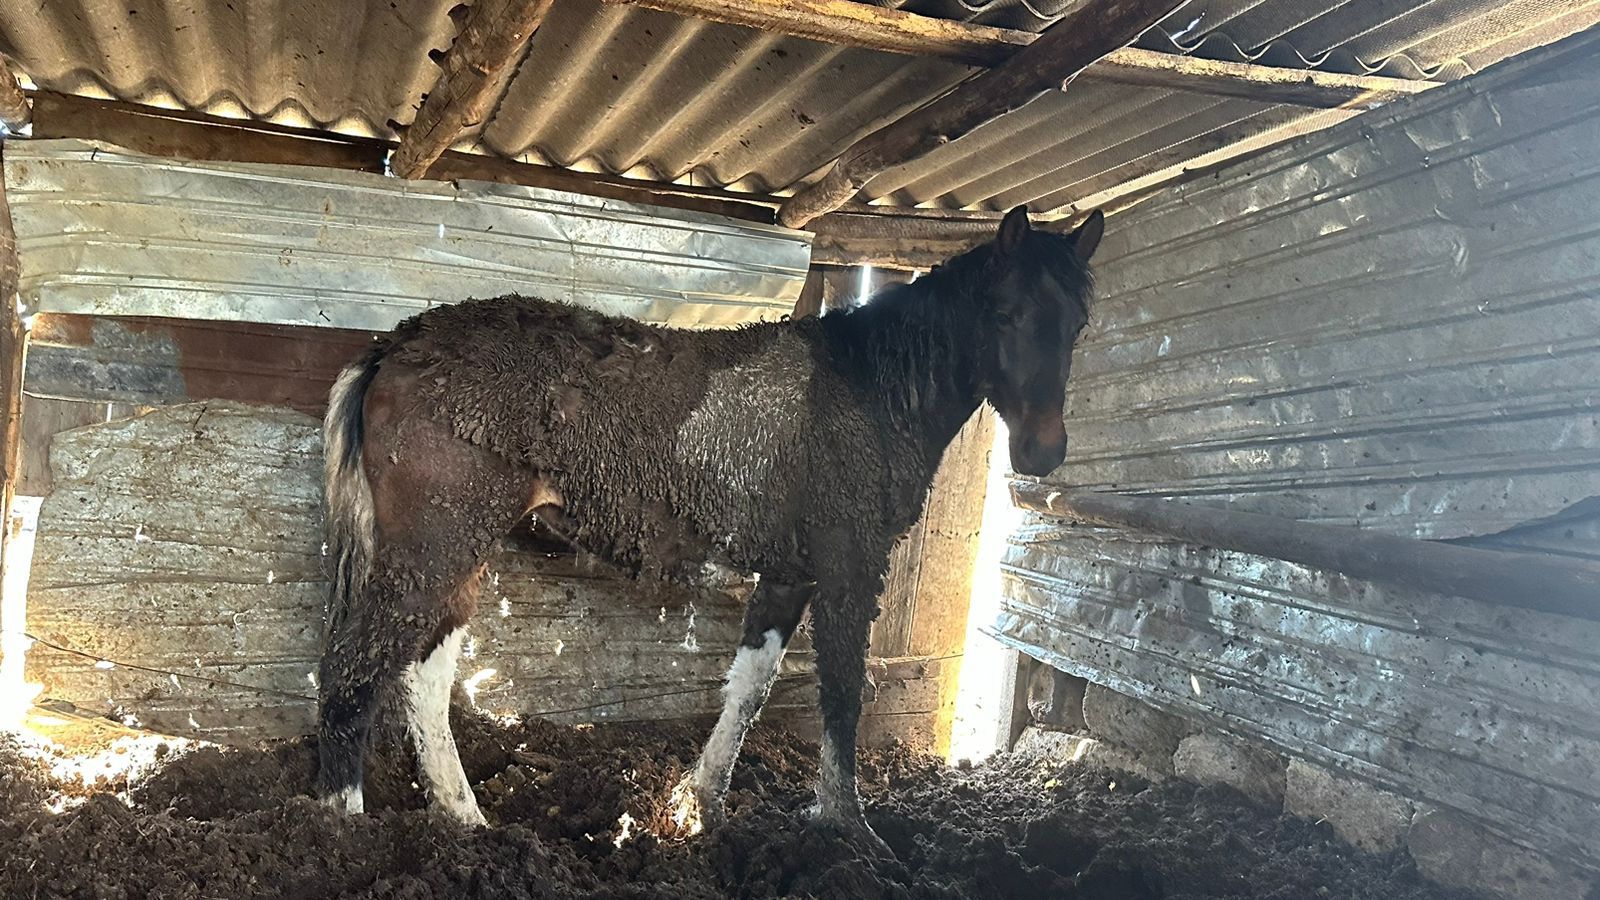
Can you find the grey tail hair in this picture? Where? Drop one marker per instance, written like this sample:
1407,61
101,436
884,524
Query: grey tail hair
346,493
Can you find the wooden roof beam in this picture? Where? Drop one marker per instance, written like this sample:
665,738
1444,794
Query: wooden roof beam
1248,81
1087,33
851,24
491,42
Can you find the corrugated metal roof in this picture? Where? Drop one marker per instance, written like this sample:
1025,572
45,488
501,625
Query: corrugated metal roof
632,91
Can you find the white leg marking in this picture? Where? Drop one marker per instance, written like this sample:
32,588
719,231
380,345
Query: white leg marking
428,698
749,681
347,801
836,796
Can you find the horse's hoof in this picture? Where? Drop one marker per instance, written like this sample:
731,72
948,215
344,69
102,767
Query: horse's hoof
468,817
347,801
691,812
856,830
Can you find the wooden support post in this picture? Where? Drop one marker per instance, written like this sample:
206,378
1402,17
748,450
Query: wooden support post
13,345
811,295
891,30
1013,715
495,36
1540,582
15,110
1063,709
1083,36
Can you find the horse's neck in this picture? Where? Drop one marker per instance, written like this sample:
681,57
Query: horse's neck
921,375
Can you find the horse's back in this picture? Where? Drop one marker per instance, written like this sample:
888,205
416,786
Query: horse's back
505,372
670,446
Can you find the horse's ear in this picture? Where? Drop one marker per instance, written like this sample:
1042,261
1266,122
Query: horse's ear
1086,237
1013,228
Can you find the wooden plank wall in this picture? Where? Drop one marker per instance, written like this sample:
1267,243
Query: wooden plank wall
188,540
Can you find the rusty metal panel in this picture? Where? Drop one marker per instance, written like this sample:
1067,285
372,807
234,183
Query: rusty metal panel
299,246
158,362
1391,326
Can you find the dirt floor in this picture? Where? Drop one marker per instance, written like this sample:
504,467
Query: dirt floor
212,823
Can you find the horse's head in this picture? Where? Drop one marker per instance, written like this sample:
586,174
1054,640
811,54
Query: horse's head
1038,291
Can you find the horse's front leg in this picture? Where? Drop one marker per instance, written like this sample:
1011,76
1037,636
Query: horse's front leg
841,618
769,621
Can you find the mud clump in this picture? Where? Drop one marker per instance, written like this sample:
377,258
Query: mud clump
575,812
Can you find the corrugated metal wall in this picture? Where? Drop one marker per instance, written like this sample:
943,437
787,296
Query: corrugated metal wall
1395,326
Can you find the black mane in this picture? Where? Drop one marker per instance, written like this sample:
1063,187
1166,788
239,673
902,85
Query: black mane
919,345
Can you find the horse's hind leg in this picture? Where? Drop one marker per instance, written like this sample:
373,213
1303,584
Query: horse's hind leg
439,507
353,669
410,633
428,683
770,620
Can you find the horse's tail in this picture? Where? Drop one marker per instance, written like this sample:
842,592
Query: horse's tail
347,494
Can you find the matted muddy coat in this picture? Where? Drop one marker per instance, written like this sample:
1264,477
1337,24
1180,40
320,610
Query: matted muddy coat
671,449
798,451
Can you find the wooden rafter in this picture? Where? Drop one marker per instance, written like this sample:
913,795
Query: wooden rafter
491,42
885,239
15,111
1248,81
178,134
852,24
1083,36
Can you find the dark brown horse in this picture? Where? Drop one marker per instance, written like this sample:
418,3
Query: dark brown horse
796,451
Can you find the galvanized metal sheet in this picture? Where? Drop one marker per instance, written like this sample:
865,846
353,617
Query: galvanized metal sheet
1492,712
107,232
1392,326
1395,327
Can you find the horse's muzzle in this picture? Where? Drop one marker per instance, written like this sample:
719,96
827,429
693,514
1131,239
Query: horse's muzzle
1031,455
